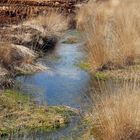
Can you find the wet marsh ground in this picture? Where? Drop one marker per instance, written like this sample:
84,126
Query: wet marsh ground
84,89
63,85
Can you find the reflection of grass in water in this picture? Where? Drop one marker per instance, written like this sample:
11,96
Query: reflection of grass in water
55,57
74,33
72,37
32,90
71,40
18,113
51,57
80,132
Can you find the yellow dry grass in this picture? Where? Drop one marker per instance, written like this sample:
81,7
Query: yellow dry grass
51,25
112,32
14,55
116,113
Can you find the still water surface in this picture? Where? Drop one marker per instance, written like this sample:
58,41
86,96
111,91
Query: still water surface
64,83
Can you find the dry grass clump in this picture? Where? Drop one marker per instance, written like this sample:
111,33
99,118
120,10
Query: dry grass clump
112,32
14,55
51,25
9,55
116,115
51,28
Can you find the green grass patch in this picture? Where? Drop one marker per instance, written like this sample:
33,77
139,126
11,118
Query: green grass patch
83,65
101,76
18,113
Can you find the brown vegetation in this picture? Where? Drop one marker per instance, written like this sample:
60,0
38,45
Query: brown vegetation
11,55
15,59
111,29
116,114
19,114
112,33
14,11
40,33
51,25
37,34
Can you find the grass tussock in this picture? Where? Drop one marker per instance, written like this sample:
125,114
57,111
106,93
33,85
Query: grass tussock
14,55
116,114
111,29
51,25
37,34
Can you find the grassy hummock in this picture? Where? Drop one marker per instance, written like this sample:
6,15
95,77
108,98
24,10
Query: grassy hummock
18,114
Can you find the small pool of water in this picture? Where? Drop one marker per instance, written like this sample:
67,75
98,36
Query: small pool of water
64,83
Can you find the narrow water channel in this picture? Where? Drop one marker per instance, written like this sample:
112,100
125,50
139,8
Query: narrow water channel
64,83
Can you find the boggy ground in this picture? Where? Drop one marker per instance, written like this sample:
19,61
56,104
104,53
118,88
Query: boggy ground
40,26
112,43
20,46
18,113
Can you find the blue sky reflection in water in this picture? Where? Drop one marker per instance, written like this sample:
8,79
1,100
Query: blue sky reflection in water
64,83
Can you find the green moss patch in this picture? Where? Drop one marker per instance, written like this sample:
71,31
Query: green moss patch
101,76
18,113
127,73
84,66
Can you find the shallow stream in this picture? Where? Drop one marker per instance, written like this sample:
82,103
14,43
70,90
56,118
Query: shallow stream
64,83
